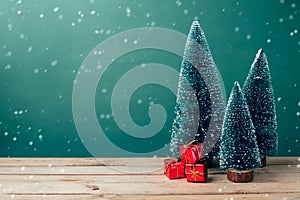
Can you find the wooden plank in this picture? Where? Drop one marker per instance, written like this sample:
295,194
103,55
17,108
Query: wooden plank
295,196
139,169
137,178
143,184
114,161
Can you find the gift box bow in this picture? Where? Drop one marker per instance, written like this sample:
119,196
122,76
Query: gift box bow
195,173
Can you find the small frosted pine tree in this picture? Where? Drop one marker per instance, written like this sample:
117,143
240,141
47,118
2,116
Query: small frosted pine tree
200,95
239,150
259,96
189,103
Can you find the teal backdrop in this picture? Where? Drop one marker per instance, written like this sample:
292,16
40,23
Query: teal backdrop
44,42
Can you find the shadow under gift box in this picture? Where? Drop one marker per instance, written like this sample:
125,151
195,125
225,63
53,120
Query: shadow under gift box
173,168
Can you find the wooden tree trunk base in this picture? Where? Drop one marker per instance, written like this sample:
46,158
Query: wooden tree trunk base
240,176
263,161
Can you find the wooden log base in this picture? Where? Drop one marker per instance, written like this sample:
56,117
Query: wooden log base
263,161
240,176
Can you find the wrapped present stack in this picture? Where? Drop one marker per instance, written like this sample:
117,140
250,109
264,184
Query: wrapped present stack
190,166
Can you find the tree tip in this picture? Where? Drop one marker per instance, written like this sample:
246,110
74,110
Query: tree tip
236,84
260,51
195,23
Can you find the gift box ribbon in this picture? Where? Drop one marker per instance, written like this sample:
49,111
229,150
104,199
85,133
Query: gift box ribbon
195,174
176,166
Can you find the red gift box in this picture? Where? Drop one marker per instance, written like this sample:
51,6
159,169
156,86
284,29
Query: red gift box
174,169
196,173
191,153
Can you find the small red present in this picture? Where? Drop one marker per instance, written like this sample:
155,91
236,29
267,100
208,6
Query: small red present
191,153
196,173
173,168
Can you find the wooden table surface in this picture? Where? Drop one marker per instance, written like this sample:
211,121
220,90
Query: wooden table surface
137,178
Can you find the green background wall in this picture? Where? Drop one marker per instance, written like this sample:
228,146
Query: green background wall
43,43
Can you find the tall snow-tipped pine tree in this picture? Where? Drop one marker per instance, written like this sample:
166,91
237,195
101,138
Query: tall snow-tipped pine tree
259,96
200,102
239,150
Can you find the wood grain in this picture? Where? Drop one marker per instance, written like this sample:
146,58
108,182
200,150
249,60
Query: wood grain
137,178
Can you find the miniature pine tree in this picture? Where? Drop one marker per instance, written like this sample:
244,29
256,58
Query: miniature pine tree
239,150
259,96
200,95
192,110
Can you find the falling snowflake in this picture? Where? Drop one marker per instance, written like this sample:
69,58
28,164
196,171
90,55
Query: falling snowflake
55,9
53,63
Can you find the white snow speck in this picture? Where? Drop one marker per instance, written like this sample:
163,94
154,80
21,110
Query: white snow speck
299,103
22,168
125,40
185,11
5,133
92,12
53,63
9,53
30,143
55,9
236,29
279,99
104,90
60,16
29,49
280,20
298,114
148,15
140,101
19,12
22,36
293,5
178,3
268,40
42,15
282,1
128,11
220,190
248,37
14,138
135,42
291,17
8,66
40,137
36,70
